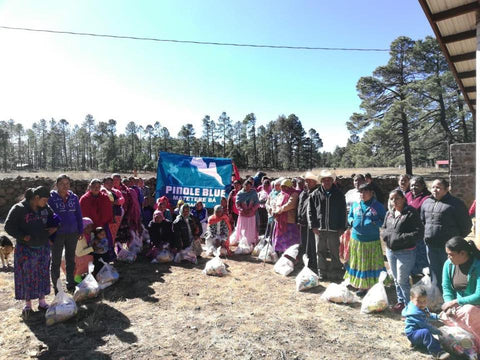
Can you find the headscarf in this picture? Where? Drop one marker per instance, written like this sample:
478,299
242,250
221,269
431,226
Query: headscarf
214,219
158,214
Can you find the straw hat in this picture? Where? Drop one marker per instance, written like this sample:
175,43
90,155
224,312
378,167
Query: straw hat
287,183
326,174
310,176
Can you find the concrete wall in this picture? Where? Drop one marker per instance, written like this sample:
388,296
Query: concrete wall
462,171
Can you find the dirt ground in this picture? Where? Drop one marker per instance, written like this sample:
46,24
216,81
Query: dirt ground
168,311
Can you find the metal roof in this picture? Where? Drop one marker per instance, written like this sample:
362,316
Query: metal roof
454,25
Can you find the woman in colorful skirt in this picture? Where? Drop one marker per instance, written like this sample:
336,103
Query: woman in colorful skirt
285,232
366,257
27,223
247,204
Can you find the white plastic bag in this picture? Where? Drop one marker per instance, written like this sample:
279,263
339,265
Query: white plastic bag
126,255
145,236
62,308
261,244
434,296
136,244
233,238
376,299
186,254
215,266
107,275
306,278
244,248
339,293
456,340
268,254
88,288
164,256
286,263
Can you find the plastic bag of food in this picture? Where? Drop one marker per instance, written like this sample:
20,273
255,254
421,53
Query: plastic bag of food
126,255
261,244
136,244
164,256
344,249
107,275
339,293
186,254
244,247
456,340
434,296
215,266
286,263
197,247
233,238
88,288
62,308
306,278
268,254
376,299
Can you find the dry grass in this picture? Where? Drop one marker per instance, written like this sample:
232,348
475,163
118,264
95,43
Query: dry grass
158,311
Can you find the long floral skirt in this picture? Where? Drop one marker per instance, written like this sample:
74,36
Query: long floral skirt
365,263
290,237
32,272
247,225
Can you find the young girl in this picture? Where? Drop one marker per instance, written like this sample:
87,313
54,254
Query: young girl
100,248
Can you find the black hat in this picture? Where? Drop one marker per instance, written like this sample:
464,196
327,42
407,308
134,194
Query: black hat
365,187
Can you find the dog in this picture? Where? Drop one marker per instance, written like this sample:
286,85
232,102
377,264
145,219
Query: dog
6,248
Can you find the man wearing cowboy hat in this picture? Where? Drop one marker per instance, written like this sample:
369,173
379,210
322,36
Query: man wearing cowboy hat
327,218
307,244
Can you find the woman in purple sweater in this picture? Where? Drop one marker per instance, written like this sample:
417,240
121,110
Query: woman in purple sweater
65,204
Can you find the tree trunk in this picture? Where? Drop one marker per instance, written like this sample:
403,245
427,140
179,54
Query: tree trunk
406,145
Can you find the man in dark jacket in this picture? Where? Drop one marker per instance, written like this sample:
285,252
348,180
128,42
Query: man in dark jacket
327,218
444,216
307,244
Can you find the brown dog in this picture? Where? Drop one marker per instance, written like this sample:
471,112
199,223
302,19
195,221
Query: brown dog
6,248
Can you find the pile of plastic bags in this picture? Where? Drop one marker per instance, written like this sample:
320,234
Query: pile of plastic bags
215,266
62,308
339,293
88,288
244,248
306,279
107,275
434,296
376,299
285,265
456,340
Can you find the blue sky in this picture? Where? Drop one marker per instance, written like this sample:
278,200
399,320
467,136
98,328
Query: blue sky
63,76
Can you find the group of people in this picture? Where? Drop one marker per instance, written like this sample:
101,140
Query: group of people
419,229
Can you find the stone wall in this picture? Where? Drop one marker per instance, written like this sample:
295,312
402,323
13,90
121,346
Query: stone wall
462,171
12,189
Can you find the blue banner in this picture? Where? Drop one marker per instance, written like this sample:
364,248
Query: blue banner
193,179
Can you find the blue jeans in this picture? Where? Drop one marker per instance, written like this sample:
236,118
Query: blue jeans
436,258
424,338
401,263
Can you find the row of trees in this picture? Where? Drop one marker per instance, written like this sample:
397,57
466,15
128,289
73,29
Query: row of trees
411,111
51,145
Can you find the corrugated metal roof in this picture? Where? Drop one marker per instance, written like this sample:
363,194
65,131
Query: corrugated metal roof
454,25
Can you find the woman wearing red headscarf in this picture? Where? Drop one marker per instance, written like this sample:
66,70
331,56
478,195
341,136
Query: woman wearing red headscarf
218,231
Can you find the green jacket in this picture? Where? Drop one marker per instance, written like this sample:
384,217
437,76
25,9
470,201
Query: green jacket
471,295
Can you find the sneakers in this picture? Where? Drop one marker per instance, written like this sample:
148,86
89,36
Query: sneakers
397,308
442,355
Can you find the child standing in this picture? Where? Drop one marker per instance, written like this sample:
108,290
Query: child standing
417,327
100,248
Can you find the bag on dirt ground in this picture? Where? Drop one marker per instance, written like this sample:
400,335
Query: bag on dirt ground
339,293
434,296
376,299
215,266
261,244
186,254
136,244
126,255
88,288
197,247
243,248
285,265
306,279
107,275
62,308
268,253
164,256
456,340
